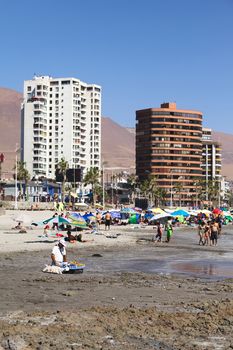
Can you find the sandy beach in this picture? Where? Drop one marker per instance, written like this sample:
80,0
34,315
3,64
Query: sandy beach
133,294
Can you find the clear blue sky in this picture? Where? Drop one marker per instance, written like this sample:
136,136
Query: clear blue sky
142,52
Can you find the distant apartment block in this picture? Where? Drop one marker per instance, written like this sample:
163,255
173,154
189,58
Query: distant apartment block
211,156
169,146
61,118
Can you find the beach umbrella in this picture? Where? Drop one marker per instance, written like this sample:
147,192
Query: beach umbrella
224,209
228,217
205,211
134,219
99,206
75,215
139,210
157,210
128,211
180,218
81,206
115,214
161,216
57,219
89,217
226,213
180,212
148,216
81,223
217,211
169,211
77,220
193,213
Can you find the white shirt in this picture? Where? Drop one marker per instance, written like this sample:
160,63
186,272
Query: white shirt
59,253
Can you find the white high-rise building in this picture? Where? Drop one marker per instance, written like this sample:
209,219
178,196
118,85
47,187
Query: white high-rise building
211,156
61,118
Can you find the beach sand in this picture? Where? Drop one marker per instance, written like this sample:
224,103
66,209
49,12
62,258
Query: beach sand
119,302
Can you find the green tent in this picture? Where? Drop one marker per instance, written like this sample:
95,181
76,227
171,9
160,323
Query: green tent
133,219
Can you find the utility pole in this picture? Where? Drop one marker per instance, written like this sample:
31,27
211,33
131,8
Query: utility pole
16,180
112,187
171,199
103,186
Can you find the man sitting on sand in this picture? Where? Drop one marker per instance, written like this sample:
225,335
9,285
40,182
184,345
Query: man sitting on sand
58,255
71,238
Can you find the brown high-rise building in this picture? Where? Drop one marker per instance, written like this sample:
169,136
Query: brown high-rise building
169,146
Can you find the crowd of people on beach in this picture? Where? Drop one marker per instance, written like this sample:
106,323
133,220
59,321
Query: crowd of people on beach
209,230
208,223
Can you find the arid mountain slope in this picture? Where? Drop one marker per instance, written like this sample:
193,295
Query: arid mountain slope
118,142
226,141
118,145
9,127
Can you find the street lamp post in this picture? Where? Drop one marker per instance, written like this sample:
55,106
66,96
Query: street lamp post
112,187
103,186
171,199
16,180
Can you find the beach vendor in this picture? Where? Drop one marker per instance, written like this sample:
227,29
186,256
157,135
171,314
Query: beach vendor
169,231
58,255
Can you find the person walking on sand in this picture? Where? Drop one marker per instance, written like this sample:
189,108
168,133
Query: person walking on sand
98,220
201,232
219,220
108,218
214,233
169,230
207,234
158,237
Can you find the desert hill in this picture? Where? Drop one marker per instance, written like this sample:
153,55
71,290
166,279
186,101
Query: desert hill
118,145
118,142
10,101
226,141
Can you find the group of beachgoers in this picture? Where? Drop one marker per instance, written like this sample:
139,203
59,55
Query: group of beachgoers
168,228
209,231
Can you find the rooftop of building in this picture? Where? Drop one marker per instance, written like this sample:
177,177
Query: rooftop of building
171,107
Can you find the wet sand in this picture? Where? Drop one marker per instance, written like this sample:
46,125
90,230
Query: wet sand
138,295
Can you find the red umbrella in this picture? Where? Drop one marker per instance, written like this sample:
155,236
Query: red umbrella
217,211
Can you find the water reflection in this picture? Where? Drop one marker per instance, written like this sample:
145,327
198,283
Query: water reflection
204,268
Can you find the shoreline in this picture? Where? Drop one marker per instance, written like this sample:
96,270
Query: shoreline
120,301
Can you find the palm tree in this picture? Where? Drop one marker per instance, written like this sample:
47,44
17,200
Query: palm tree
160,195
153,188
92,178
22,175
214,191
149,187
132,182
144,187
179,188
61,168
201,192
